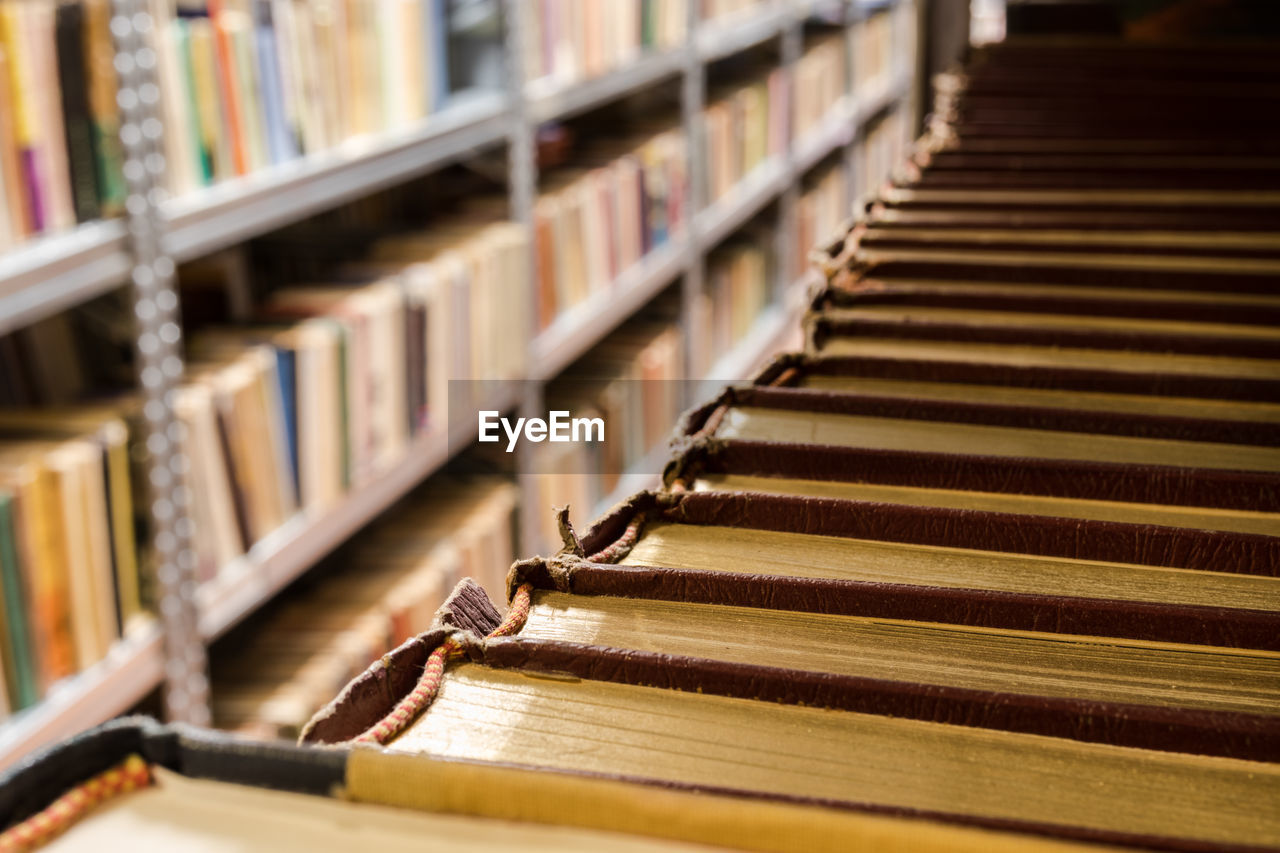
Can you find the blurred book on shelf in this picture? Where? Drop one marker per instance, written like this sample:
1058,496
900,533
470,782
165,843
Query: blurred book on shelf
718,9
822,211
325,389
619,200
819,82
882,147
69,567
378,591
571,40
631,382
60,155
737,289
248,84
746,124
871,45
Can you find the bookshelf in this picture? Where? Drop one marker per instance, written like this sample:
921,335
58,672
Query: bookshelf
51,273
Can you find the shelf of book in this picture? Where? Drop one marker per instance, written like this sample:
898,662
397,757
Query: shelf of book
725,215
719,39
580,328
132,669
289,551
47,274
549,99
230,212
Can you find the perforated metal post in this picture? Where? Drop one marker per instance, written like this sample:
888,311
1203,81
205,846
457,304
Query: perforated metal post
522,186
159,363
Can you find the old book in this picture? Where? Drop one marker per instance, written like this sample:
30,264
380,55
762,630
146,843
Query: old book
258,796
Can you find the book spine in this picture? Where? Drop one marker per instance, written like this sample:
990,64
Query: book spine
19,664
104,110
81,156
231,104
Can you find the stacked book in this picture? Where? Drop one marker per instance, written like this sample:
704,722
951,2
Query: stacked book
570,40
996,554
60,155
991,565
247,84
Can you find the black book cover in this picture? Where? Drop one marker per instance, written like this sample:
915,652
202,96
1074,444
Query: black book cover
73,79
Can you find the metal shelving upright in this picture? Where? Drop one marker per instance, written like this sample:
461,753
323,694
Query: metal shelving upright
141,250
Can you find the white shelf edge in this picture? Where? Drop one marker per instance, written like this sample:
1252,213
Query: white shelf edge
132,669
580,328
835,130
548,100
232,211
725,215
46,274
289,551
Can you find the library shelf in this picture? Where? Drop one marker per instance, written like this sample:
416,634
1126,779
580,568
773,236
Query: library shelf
293,548
744,200
874,99
718,39
47,274
550,99
583,326
836,130
768,335
133,668
232,211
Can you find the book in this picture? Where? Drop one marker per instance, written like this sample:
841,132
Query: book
625,197
977,475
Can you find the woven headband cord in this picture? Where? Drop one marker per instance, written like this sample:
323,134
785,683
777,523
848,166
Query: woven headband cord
408,708
131,774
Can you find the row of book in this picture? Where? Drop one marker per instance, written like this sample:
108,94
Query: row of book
623,198
823,208
60,152
248,84
330,385
990,565
871,44
738,285
633,383
69,569
745,125
571,40
819,82
882,148
379,590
